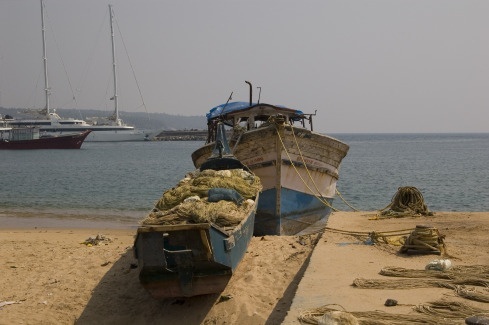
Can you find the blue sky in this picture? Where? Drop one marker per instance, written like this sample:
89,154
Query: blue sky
365,66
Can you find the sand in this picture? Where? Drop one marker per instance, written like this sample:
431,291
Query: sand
49,277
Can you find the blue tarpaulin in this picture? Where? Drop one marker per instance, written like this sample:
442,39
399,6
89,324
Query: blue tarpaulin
232,107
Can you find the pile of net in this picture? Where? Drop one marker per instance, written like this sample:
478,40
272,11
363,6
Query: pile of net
222,197
407,201
436,312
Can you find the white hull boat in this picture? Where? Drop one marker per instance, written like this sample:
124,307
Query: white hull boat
298,168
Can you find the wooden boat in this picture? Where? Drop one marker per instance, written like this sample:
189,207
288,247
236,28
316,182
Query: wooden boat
298,168
188,259
29,138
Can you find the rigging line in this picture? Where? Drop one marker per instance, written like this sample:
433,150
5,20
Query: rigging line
303,161
344,201
307,170
86,69
32,102
321,199
130,64
309,174
62,61
107,85
391,232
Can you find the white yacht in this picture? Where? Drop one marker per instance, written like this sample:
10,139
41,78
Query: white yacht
103,129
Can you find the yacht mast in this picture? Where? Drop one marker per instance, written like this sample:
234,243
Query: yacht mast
45,59
116,108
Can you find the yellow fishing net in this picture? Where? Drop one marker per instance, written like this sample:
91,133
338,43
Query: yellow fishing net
198,184
188,201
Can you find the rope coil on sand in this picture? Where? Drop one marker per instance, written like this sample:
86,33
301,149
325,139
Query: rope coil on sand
424,240
407,201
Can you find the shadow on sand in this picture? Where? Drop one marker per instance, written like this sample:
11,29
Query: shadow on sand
120,299
284,304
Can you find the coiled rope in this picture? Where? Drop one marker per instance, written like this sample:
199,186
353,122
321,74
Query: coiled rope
407,201
424,240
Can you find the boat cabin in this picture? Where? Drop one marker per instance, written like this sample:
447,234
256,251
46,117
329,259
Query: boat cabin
249,116
19,134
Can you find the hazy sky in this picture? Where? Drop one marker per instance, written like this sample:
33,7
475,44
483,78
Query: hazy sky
366,66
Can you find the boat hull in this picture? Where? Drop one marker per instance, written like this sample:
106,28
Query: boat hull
119,136
109,134
298,170
68,141
191,259
301,213
100,133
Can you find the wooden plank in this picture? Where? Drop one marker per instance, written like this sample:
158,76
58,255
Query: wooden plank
163,228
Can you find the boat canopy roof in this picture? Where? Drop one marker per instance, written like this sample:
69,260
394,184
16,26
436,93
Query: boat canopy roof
237,107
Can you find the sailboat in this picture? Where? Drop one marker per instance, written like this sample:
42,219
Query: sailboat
107,129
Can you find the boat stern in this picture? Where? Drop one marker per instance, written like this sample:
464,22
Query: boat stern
178,261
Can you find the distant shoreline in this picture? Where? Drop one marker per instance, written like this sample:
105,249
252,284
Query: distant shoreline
182,135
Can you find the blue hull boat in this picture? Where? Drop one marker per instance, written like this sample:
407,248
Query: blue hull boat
298,211
298,167
190,260
184,258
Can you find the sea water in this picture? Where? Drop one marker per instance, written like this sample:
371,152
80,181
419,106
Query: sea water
450,170
119,182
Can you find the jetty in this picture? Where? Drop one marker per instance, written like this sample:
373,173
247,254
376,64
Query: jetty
182,135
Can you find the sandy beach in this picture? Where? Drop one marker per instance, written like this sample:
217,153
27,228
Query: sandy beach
50,277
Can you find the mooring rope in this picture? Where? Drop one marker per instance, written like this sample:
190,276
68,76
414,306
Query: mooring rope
393,237
320,198
344,201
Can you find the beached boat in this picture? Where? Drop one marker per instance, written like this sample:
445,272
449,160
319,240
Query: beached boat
109,129
30,138
194,239
298,168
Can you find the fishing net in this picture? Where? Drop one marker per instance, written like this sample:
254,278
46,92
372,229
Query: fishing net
457,278
314,315
189,202
407,201
417,283
198,183
462,274
222,213
444,311
472,293
449,309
